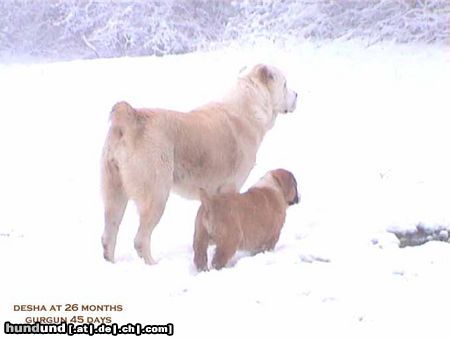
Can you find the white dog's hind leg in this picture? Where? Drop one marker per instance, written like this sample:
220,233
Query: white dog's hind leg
113,218
150,212
115,201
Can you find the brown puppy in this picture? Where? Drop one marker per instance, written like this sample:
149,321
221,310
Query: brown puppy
250,221
150,152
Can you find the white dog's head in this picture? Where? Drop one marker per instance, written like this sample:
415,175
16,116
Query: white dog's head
281,98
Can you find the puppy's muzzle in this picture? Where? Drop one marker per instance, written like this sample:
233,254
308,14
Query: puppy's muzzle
293,105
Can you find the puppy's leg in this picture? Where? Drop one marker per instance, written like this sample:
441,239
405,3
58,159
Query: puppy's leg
271,244
150,213
115,201
222,255
201,239
227,245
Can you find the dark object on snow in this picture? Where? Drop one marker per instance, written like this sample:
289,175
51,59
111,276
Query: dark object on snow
421,235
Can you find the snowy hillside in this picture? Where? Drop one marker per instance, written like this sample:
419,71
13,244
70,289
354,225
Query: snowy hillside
369,146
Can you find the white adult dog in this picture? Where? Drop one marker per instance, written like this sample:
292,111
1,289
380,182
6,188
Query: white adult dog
149,152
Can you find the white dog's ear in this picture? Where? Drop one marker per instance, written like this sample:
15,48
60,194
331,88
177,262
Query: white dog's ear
264,73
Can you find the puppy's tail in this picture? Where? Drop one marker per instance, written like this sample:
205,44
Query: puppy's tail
204,198
204,211
125,117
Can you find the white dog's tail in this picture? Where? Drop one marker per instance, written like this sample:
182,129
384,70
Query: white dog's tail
125,117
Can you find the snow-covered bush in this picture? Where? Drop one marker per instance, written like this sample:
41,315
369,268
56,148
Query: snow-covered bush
403,21
67,29
85,29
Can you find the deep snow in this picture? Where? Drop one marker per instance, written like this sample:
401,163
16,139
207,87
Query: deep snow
369,146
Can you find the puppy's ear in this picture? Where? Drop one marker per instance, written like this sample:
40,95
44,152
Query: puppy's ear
264,73
297,195
288,185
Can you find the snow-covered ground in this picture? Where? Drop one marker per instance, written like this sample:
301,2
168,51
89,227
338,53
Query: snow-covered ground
369,144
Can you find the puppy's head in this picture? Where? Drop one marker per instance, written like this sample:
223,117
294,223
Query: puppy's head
283,99
288,184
